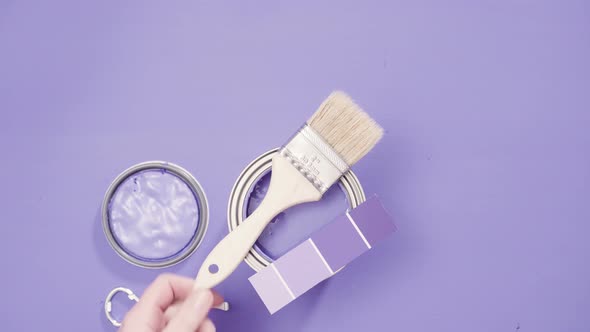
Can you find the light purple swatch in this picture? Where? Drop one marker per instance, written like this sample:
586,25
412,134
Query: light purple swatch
271,289
302,268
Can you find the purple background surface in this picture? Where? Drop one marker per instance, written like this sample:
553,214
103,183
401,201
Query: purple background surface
485,165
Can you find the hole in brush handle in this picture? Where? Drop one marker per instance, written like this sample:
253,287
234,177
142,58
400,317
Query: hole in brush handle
213,268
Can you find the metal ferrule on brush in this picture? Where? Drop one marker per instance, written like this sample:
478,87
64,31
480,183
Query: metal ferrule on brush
314,158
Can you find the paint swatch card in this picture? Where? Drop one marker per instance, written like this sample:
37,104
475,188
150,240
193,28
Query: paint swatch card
325,252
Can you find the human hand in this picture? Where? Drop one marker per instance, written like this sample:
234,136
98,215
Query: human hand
170,304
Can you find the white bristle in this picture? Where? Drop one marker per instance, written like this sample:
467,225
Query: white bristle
350,131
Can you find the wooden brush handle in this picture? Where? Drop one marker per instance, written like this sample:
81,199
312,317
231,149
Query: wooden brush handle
287,188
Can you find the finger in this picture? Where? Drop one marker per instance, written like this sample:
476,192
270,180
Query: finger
173,309
142,318
207,326
192,312
217,298
165,290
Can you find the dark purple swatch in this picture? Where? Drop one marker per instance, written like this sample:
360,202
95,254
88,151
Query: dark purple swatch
373,221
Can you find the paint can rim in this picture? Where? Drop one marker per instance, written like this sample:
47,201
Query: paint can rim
256,259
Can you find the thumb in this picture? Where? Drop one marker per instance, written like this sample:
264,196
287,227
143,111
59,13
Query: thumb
192,312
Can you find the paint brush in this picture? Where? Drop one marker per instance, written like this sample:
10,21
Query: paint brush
337,135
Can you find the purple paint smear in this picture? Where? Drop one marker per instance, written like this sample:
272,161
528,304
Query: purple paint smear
296,224
153,214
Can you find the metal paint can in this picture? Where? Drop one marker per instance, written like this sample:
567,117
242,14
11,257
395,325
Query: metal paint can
190,240
243,187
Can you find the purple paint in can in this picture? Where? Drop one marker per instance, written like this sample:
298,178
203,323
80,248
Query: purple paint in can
296,224
153,214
